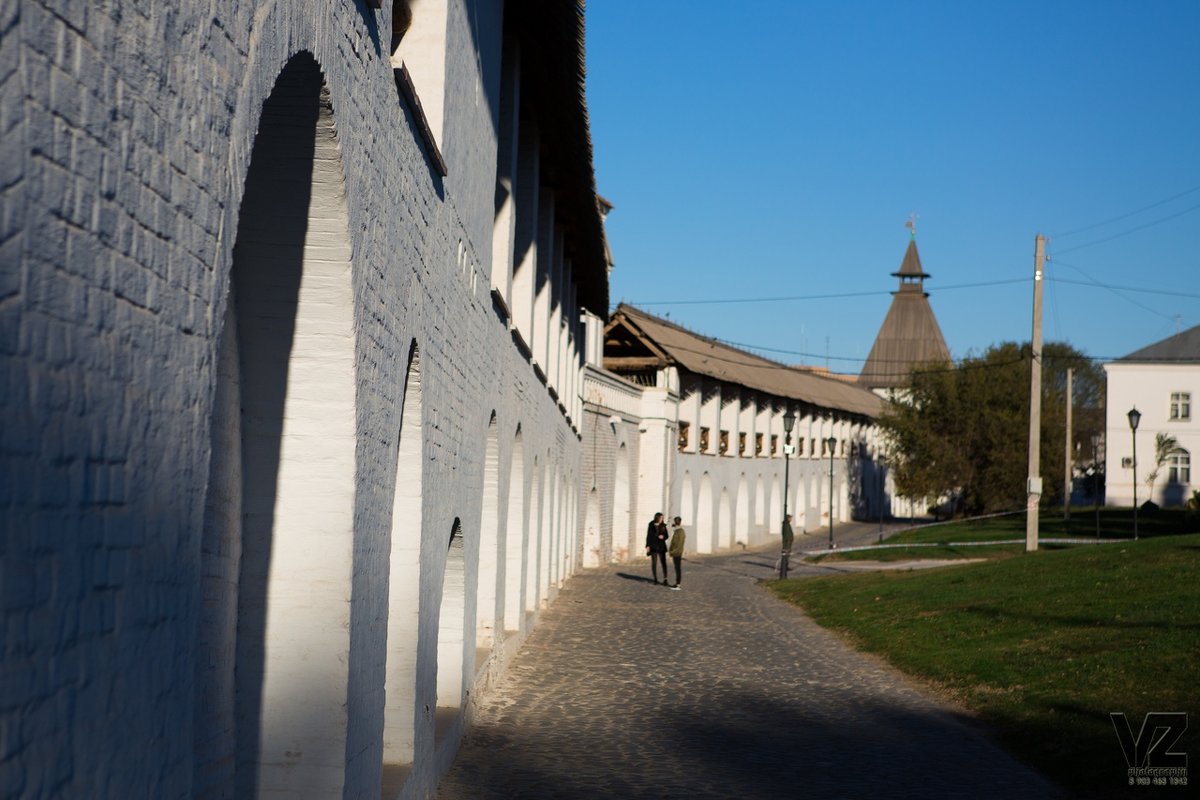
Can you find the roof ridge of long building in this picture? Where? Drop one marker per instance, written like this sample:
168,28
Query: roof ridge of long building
710,357
708,339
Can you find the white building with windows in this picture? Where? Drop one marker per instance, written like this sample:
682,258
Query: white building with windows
1162,381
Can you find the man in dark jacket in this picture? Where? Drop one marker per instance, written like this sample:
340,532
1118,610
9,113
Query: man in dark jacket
676,550
656,546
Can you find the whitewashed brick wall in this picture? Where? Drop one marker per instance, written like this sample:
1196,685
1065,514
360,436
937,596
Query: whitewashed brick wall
127,130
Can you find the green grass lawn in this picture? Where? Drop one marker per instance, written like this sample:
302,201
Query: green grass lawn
902,553
1042,646
1114,524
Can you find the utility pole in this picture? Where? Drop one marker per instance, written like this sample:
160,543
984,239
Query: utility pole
1067,462
1034,484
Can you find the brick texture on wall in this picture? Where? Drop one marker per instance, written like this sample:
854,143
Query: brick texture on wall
127,131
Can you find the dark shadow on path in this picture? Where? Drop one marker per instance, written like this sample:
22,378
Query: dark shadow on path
727,741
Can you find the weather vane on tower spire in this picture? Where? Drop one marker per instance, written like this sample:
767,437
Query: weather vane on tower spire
912,225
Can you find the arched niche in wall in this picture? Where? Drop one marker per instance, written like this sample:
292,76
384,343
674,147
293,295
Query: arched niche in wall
775,524
741,530
592,554
515,537
489,542
451,638
277,547
536,535
724,521
404,571
760,502
687,510
704,516
623,543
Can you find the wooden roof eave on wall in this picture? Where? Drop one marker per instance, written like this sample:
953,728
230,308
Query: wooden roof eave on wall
658,359
551,38
715,360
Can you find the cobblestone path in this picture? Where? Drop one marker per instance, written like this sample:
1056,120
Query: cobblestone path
629,690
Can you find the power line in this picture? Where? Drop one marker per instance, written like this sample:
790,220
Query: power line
980,285
778,299
1151,224
751,348
748,347
1115,291
1126,215
1140,289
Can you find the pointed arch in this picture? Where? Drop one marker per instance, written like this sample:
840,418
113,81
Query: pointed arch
452,620
549,538
573,534
775,523
704,516
591,530
404,574
724,521
515,537
622,540
687,510
563,557
486,611
278,539
760,502
534,537
741,528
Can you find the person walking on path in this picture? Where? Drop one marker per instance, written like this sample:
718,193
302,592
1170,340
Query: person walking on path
786,547
678,537
656,546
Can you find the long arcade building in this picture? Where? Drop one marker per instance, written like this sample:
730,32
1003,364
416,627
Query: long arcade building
691,426
291,305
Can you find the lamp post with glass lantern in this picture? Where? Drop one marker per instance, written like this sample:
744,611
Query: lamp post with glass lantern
831,442
789,422
1135,417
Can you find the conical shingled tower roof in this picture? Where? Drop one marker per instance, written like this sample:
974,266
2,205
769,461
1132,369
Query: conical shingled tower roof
911,266
910,335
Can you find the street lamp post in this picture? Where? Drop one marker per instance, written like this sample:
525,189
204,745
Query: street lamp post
789,422
831,442
879,496
1096,481
1135,417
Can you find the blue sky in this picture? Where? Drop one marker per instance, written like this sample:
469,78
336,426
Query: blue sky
776,149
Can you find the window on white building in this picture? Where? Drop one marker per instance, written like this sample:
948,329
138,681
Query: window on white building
1179,467
1181,406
